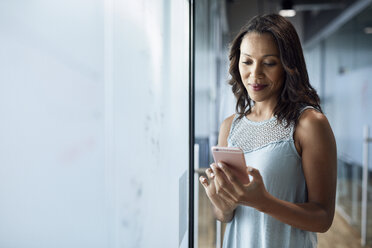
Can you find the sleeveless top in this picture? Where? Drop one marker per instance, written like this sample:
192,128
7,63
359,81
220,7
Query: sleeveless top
269,147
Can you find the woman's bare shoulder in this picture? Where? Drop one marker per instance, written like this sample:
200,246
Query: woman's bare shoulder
310,119
313,126
225,130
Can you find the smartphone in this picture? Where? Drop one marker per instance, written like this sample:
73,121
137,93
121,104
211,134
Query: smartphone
234,158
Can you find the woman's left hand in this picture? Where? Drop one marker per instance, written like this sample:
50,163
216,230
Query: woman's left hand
253,194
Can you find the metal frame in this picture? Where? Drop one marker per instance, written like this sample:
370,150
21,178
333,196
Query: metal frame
366,141
191,119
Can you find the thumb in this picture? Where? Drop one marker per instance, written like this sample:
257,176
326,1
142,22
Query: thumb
254,173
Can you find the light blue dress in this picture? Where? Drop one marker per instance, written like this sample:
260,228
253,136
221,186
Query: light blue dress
269,147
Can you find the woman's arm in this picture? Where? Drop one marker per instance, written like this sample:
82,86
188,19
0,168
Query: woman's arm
318,149
319,161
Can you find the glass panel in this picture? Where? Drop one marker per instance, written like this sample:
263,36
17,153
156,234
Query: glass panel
205,224
347,104
349,192
94,132
210,74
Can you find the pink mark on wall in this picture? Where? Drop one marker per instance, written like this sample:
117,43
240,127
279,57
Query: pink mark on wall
77,150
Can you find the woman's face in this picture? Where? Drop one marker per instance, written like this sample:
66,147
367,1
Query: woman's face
260,67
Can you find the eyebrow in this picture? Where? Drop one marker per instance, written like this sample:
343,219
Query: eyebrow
266,55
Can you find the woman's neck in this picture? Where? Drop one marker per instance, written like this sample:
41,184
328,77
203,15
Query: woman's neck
262,111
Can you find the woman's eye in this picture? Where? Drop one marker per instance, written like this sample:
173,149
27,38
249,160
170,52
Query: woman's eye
247,62
269,63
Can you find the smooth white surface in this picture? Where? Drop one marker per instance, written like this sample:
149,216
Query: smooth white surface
350,109
150,76
51,175
94,131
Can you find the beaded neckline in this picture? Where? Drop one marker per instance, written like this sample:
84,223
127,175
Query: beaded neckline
259,122
250,135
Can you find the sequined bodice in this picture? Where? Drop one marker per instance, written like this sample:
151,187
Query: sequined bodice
250,135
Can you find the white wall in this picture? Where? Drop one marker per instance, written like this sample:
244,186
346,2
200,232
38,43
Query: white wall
347,87
94,131
353,93
348,93
52,186
151,126
313,64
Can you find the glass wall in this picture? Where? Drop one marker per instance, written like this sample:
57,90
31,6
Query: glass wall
210,79
346,56
94,100
52,180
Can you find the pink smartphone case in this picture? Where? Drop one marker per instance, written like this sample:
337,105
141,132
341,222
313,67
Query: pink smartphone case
234,158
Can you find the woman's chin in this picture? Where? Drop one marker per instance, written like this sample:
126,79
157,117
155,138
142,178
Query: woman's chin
257,97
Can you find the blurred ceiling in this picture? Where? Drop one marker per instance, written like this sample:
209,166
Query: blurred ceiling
311,17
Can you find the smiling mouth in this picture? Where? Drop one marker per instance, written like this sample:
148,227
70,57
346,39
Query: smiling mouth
258,87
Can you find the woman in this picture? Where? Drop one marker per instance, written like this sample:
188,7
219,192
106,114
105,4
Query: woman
288,145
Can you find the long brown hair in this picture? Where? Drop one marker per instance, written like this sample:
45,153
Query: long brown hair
297,91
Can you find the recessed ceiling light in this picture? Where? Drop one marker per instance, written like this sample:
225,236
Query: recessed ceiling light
287,12
368,30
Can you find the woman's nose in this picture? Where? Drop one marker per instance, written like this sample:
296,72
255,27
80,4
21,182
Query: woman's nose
257,71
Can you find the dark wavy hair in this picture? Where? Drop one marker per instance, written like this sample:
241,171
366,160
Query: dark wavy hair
296,91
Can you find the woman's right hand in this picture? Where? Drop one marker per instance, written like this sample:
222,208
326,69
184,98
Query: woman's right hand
221,200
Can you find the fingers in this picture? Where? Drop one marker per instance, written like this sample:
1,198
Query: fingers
203,181
229,174
227,197
210,189
209,173
210,186
219,177
232,178
254,173
223,185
